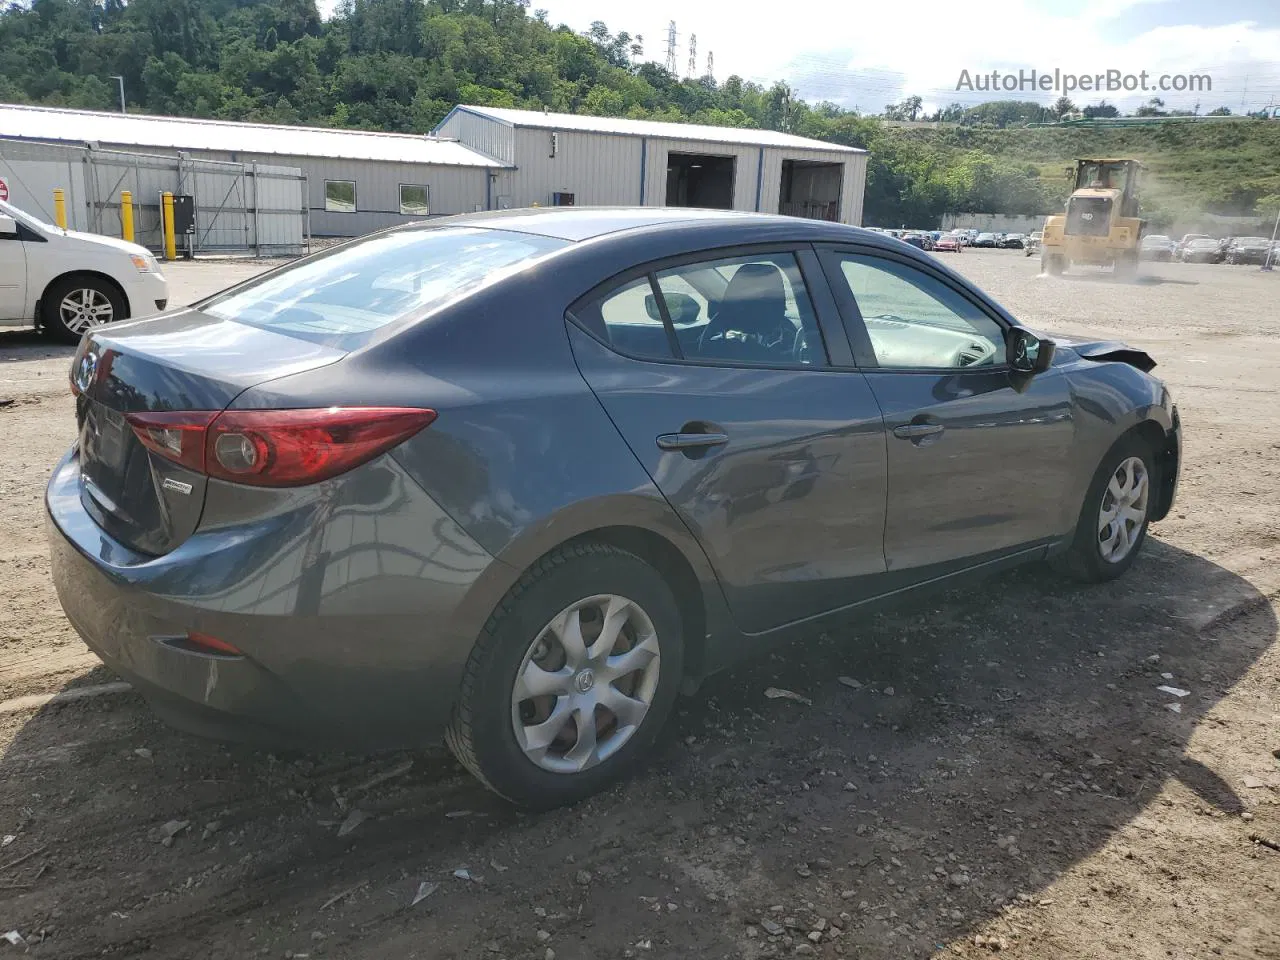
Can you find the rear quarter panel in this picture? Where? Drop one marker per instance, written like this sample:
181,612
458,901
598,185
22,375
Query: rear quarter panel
522,456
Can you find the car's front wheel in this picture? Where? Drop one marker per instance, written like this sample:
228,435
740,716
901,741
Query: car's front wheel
571,679
1113,521
78,302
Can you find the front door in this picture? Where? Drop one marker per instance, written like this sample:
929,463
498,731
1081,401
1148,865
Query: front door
978,461
716,373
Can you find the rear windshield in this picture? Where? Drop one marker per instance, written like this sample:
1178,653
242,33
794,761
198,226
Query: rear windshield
342,298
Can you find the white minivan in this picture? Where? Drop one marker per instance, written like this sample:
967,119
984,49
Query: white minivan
67,282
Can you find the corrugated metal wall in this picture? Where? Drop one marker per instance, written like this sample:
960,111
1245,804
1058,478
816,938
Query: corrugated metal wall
452,189
32,171
607,169
490,137
597,170
239,206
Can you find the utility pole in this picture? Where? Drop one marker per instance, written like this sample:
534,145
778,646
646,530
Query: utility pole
693,55
116,76
671,48
711,66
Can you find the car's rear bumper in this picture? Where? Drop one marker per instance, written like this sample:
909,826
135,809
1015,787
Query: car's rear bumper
330,660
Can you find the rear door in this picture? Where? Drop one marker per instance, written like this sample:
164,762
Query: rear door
730,378
978,461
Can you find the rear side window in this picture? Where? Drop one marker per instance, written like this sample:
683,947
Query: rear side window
343,297
750,310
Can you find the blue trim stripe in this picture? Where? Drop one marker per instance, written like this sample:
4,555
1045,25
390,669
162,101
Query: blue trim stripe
644,160
759,178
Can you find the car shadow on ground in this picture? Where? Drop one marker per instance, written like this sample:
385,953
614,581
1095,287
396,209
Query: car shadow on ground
938,767
28,343
1142,280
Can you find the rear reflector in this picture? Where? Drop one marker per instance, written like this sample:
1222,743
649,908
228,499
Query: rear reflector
200,644
278,448
202,641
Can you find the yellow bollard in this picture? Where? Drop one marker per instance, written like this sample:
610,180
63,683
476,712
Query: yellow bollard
126,215
170,242
60,208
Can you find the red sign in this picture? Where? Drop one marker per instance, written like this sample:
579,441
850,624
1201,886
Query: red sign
4,190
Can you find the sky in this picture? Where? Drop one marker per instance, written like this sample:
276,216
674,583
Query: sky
867,54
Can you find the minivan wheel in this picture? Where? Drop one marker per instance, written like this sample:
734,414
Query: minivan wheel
1113,520
571,679
77,303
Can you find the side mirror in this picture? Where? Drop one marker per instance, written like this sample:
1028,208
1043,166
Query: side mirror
682,307
8,226
1027,353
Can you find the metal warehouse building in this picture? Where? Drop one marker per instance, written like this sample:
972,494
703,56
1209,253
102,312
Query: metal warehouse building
562,159
355,181
265,187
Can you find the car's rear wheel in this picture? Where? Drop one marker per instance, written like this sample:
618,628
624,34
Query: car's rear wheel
79,302
1113,521
572,678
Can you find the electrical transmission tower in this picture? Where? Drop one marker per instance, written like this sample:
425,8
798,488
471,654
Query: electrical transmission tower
671,48
693,55
711,65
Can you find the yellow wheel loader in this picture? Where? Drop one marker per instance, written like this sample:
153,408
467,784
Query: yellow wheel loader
1102,226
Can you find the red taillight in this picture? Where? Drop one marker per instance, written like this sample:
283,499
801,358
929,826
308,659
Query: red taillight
278,448
176,436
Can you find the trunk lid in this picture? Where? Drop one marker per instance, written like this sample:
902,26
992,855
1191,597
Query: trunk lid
184,361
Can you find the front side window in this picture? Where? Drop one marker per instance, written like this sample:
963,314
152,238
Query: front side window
916,321
343,296
414,199
340,196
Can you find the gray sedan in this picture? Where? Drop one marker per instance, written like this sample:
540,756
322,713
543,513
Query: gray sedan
523,477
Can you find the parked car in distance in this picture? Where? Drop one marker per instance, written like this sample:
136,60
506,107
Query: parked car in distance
1013,241
1203,250
986,240
1186,241
68,282
1157,247
342,526
919,240
1032,244
949,243
1248,250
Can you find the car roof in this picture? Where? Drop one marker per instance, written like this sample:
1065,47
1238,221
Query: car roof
585,223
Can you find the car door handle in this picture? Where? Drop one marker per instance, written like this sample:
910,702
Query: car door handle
691,441
917,431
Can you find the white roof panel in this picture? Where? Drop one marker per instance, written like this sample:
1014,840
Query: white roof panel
189,133
654,128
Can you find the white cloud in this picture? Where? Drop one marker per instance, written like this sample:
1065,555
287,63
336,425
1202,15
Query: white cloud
870,54
875,53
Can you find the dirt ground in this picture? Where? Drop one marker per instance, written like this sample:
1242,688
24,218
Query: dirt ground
1007,778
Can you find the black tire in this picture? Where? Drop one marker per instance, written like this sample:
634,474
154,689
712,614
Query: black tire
51,319
1126,267
1053,264
1084,559
481,734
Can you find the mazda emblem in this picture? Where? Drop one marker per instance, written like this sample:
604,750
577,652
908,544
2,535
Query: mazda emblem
85,371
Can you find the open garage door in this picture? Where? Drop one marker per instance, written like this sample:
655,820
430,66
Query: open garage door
700,180
811,189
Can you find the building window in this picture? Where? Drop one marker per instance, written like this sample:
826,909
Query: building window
414,199
340,196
